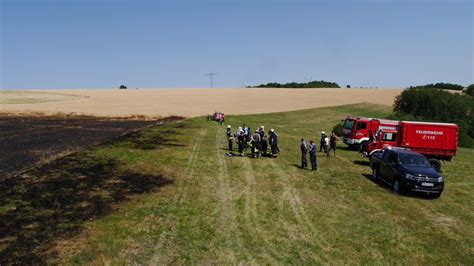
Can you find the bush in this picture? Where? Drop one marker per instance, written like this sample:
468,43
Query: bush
469,90
435,105
123,87
338,129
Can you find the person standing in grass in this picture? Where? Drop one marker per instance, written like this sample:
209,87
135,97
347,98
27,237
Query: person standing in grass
273,140
263,140
256,141
312,155
332,142
241,141
304,152
322,143
230,137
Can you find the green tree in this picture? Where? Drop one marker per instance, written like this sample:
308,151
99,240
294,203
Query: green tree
437,105
469,90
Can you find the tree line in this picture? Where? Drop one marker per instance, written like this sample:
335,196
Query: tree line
425,103
311,84
441,86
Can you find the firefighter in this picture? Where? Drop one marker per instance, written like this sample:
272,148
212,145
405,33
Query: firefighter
273,141
332,142
246,135
326,146
304,152
312,155
263,140
322,143
255,144
241,141
230,137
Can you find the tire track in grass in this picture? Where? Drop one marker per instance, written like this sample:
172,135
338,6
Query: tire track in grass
251,211
189,172
290,195
228,216
181,193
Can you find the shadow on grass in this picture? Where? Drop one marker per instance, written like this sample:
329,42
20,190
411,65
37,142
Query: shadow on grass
53,201
147,141
363,163
388,188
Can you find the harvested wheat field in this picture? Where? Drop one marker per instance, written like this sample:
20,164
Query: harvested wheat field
188,102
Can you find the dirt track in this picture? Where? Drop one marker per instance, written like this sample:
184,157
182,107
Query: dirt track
195,102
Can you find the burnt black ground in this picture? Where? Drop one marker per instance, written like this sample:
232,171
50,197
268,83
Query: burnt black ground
53,200
25,141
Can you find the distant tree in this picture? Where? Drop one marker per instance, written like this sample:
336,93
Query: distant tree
311,84
469,90
348,86
123,87
441,86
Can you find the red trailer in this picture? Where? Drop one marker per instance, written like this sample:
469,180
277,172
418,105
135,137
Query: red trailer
437,141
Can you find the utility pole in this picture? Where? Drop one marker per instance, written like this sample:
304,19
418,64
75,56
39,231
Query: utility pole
211,77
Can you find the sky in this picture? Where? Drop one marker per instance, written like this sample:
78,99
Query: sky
48,44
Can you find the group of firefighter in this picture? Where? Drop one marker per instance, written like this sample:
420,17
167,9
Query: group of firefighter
258,141
326,145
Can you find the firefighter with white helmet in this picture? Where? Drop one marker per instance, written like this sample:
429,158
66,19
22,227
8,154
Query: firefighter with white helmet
322,144
230,137
273,141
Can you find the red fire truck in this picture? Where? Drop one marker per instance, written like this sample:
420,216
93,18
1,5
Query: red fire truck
358,130
437,141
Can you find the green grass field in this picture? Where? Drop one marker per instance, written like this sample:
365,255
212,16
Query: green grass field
215,209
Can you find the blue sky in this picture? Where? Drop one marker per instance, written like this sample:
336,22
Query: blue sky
104,43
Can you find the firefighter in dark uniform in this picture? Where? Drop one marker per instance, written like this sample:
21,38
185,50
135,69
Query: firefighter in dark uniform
304,152
255,142
241,141
322,143
332,142
312,155
263,140
230,137
273,141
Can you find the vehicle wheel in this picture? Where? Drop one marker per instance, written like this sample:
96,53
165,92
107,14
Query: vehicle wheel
397,187
375,173
436,164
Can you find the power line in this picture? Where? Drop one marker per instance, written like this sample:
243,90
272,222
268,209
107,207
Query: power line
211,77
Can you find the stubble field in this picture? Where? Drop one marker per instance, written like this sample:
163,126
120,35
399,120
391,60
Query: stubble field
185,102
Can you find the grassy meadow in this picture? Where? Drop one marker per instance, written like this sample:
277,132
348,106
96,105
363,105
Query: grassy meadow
208,208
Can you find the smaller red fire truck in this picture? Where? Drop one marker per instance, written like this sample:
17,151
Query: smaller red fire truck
436,141
358,130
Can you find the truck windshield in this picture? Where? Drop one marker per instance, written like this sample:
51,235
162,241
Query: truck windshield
348,124
412,160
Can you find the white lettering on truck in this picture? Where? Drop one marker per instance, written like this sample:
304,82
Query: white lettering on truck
429,134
